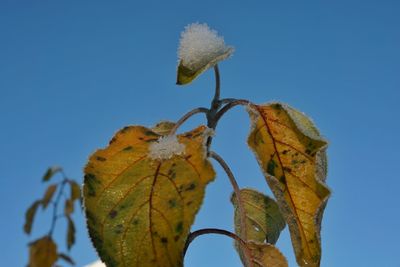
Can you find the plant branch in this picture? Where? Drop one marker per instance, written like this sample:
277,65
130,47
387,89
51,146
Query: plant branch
186,117
236,189
231,103
205,231
55,205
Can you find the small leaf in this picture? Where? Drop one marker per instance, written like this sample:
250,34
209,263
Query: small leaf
75,191
42,253
139,209
30,215
66,258
48,195
264,221
50,173
292,155
70,233
200,49
68,207
266,255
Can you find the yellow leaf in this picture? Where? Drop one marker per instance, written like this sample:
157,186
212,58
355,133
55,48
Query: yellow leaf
139,209
292,155
42,253
48,195
187,75
266,255
75,191
30,215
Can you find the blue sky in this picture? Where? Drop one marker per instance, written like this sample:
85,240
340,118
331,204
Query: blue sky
73,72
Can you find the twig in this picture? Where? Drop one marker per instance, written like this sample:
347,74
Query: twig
236,189
205,231
187,116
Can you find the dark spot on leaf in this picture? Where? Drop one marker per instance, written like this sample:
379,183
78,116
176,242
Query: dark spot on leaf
282,179
172,203
113,140
189,203
101,159
112,214
179,227
308,151
284,152
128,148
192,186
287,169
276,106
118,229
135,222
294,161
271,167
176,238
141,138
164,240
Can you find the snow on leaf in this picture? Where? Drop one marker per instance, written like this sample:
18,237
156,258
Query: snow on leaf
166,147
139,209
200,48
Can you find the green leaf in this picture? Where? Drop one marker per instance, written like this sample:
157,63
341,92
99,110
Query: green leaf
48,195
66,258
42,253
264,221
70,233
139,209
50,173
292,156
30,215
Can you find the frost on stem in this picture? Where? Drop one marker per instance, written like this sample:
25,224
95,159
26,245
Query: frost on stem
200,48
166,147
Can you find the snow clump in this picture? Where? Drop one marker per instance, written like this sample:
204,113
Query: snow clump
166,147
200,45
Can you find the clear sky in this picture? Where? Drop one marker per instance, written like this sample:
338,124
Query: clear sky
73,72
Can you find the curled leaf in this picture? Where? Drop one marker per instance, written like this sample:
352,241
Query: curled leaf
50,173
42,252
30,215
139,209
200,48
48,195
292,155
70,233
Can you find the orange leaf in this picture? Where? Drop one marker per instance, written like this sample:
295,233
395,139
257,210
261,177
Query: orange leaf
141,195
292,155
